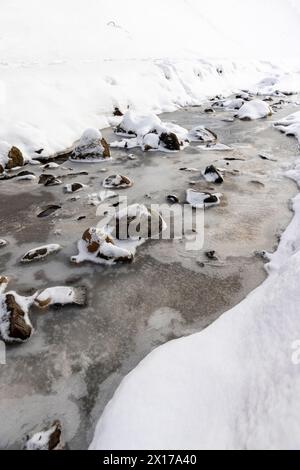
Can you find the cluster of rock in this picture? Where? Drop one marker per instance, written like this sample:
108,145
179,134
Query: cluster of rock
15,324
118,240
149,133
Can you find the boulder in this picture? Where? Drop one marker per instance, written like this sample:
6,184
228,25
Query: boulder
170,141
91,147
15,158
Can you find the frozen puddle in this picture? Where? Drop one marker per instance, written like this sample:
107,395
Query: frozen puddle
77,357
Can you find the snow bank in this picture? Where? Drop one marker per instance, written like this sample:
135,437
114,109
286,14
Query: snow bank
232,386
64,67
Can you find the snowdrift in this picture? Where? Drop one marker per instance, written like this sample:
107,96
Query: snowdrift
65,64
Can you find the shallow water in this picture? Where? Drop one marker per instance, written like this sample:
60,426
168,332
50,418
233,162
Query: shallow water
77,357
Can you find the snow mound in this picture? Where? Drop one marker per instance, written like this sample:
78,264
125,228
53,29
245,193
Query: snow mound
149,133
200,200
92,147
255,109
290,125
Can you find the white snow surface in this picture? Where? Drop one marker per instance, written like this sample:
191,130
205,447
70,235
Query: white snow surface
254,109
290,125
232,386
64,65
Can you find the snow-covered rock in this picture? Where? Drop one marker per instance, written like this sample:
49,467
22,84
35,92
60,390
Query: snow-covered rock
134,124
290,125
10,157
149,133
60,295
41,252
255,109
49,439
136,222
202,134
117,182
99,247
74,187
202,200
234,104
15,324
92,147
213,175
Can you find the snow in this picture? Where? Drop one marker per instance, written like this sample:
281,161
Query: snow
107,251
4,150
213,147
61,295
201,133
42,440
200,200
232,386
148,131
77,63
254,109
89,148
290,125
40,252
116,182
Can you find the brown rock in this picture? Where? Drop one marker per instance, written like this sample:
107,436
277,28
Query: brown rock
106,153
15,158
92,245
54,439
18,328
170,140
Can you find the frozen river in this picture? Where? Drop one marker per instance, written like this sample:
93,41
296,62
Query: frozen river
72,365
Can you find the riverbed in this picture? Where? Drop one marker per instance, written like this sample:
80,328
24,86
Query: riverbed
72,365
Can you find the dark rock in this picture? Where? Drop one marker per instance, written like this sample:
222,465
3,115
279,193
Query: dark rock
15,158
49,180
170,141
19,329
173,199
211,255
214,175
48,211
117,112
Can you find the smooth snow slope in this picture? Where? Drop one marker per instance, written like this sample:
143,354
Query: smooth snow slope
64,64
235,385
97,29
